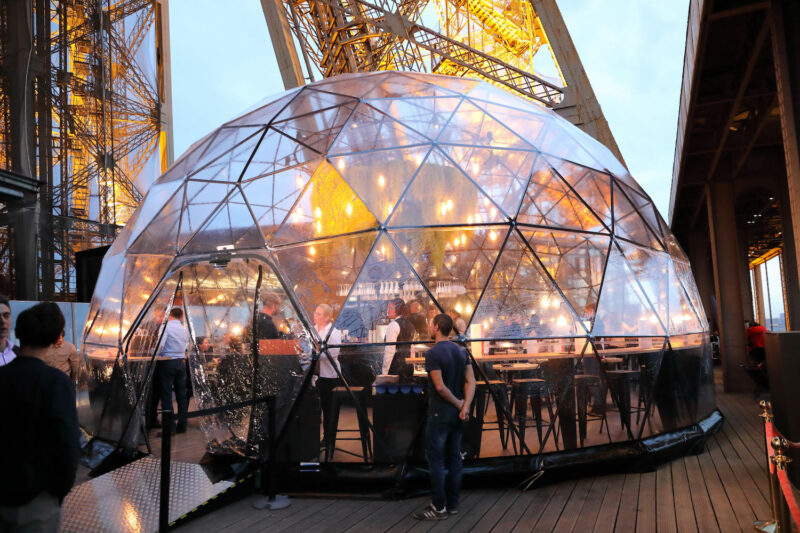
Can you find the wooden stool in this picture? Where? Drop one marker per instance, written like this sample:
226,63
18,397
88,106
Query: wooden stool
530,390
583,394
498,391
620,382
340,395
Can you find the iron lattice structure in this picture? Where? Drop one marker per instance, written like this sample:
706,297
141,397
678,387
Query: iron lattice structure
491,40
91,78
367,187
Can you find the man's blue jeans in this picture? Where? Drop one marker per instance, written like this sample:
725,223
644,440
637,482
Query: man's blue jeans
443,436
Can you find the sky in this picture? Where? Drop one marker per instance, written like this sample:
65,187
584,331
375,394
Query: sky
632,51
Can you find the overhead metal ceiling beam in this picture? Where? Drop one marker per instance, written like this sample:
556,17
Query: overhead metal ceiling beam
745,81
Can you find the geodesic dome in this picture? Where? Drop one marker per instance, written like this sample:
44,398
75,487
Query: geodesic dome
359,189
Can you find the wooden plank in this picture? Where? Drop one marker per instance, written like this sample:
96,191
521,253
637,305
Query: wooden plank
534,499
720,503
470,515
295,522
751,478
549,516
684,511
254,519
665,501
646,508
733,445
367,511
607,517
626,512
343,509
497,511
396,513
574,505
704,514
592,505
742,509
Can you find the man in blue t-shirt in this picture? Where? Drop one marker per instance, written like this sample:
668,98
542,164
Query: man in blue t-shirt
451,387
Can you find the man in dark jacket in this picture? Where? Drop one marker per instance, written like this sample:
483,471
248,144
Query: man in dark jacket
39,426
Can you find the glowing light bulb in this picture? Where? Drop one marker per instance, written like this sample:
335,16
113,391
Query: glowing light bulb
340,164
236,329
348,209
383,249
318,212
299,181
449,204
469,219
468,308
493,235
493,212
443,208
463,239
312,250
381,180
561,320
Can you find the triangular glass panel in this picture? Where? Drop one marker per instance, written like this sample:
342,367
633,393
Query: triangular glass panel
355,85
521,301
441,194
593,187
317,130
652,271
428,116
526,125
470,125
228,140
556,141
385,275
272,197
323,272
106,310
623,309
327,207
489,93
644,205
144,272
369,129
230,165
600,153
262,115
202,199
398,85
310,101
153,203
277,152
501,174
380,177
629,225
459,85
548,201
682,316
231,228
454,263
576,262
160,236
687,280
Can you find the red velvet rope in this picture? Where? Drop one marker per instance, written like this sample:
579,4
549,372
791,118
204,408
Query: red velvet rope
786,487
770,431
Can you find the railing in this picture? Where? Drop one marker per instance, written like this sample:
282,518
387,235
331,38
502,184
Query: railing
166,450
784,505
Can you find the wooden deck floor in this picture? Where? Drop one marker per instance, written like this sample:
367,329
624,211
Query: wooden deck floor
724,489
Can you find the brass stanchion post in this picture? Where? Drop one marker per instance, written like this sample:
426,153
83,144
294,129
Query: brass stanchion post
771,525
780,460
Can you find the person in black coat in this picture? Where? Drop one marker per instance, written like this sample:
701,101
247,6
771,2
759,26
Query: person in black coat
40,443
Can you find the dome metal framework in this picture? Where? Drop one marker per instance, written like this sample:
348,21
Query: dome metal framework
358,189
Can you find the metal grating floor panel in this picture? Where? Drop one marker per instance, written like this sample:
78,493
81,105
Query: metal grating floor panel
127,498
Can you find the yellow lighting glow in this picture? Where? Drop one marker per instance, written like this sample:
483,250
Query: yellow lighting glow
340,164
312,250
381,180
561,320
318,212
458,308
493,235
319,226
236,329
348,209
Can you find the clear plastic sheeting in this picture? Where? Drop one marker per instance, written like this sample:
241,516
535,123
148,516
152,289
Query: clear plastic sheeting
311,241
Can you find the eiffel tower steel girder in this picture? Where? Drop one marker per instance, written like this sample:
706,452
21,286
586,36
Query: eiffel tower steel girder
496,41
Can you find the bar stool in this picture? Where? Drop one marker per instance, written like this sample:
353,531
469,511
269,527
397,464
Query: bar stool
497,390
613,363
341,396
620,382
584,383
524,390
